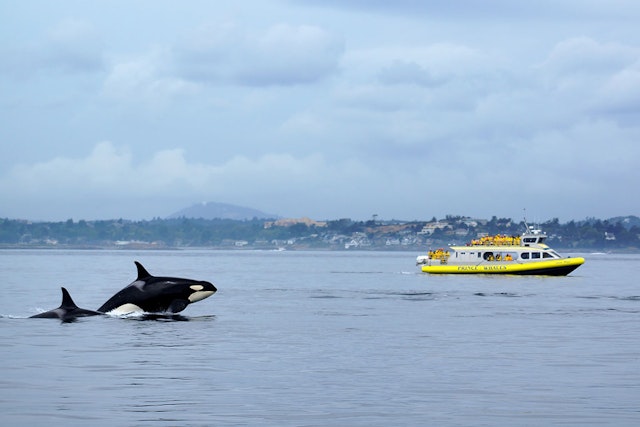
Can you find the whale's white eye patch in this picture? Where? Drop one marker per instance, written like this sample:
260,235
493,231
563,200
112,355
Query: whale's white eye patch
197,287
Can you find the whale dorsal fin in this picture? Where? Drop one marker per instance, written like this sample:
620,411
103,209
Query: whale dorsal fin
142,272
67,302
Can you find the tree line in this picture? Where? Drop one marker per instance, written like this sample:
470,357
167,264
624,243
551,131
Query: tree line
620,233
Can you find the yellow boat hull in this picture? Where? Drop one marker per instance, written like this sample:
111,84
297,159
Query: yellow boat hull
556,267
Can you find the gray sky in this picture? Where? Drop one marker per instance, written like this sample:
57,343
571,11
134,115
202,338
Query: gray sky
406,109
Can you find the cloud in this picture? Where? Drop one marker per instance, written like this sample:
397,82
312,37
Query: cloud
586,76
102,169
326,109
583,56
224,55
405,72
620,94
440,60
71,46
575,166
282,55
492,9
428,94
75,45
144,79
108,180
423,82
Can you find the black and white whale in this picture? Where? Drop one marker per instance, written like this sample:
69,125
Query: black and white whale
68,310
150,294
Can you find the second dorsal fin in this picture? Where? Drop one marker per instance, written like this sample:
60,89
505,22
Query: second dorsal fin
67,302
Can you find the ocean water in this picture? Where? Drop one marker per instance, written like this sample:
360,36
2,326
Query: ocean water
320,339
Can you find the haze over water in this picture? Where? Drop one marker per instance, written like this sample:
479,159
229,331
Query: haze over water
320,338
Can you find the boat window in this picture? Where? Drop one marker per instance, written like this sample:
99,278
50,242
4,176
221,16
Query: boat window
555,254
535,255
524,255
546,255
479,254
529,240
488,256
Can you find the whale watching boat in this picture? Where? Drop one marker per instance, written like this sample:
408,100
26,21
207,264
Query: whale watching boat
525,254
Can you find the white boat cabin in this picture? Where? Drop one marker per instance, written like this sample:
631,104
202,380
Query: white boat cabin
470,254
528,247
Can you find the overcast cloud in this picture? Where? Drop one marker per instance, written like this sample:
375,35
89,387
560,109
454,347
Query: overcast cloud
328,109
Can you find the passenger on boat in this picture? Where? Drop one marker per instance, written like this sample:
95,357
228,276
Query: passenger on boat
440,254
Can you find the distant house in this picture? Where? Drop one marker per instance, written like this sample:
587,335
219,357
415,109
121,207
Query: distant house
429,228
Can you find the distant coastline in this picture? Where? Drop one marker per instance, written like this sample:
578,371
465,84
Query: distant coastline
620,234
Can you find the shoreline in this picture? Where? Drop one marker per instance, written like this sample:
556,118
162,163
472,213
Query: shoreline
293,248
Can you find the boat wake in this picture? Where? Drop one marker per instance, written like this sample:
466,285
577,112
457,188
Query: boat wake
11,316
160,317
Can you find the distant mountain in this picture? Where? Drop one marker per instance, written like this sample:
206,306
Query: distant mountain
213,210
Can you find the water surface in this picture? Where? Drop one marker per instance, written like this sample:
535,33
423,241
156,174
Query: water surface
321,339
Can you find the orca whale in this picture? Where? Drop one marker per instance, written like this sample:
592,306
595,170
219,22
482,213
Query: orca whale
68,310
150,294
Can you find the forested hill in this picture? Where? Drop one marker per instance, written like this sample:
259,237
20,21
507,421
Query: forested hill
616,234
